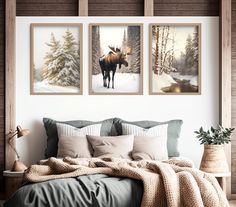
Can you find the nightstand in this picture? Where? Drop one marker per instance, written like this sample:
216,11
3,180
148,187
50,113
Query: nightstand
221,177
13,180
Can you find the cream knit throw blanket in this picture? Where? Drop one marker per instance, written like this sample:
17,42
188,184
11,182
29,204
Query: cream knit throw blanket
173,183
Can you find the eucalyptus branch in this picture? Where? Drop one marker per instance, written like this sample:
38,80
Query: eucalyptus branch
216,136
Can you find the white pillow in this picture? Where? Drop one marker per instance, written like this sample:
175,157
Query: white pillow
73,142
148,143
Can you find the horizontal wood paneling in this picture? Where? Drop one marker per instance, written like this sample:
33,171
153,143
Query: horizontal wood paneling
116,8
2,88
186,8
46,7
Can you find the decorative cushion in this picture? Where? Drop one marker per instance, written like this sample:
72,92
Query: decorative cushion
148,143
73,146
173,132
149,148
52,135
73,141
112,146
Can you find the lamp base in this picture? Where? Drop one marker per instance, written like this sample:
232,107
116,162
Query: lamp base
18,166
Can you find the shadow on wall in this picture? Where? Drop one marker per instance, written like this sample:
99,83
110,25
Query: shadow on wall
31,148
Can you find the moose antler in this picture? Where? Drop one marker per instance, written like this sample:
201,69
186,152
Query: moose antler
128,51
112,48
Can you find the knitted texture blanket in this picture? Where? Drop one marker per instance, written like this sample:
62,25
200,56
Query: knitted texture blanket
173,183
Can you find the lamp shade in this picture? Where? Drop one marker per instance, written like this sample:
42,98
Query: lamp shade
22,132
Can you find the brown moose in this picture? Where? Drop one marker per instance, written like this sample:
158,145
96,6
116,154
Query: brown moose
109,63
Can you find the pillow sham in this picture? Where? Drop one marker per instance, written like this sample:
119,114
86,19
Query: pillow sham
173,132
112,146
73,146
154,148
52,135
73,142
159,131
149,148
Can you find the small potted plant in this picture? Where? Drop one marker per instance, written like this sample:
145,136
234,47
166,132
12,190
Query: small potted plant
214,159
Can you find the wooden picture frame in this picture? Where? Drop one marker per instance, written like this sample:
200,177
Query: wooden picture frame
178,86
61,89
101,85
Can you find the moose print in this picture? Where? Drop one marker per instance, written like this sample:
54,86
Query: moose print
116,57
109,62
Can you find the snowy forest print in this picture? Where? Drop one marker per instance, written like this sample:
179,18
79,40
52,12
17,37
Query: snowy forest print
56,59
175,62
115,58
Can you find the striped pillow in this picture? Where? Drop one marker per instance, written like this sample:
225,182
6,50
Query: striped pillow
149,143
156,131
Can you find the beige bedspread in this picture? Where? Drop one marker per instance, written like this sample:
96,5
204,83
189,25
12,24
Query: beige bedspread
173,183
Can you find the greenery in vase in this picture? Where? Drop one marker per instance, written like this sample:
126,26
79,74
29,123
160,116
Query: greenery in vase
215,136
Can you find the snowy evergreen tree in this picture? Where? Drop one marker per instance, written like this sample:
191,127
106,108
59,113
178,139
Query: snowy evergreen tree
62,63
96,50
195,47
124,41
37,74
133,42
155,49
189,57
69,75
53,62
124,69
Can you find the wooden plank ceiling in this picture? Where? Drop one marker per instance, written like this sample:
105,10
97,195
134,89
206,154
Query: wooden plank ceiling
186,7
46,7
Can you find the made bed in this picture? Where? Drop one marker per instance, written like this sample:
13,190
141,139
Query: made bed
115,163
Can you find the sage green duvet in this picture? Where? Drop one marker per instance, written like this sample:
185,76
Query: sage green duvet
97,190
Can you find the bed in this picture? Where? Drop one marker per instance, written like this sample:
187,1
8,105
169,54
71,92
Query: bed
107,172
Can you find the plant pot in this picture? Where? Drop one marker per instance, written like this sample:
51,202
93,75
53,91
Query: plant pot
214,159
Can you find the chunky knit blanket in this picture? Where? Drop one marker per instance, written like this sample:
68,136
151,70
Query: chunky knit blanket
173,183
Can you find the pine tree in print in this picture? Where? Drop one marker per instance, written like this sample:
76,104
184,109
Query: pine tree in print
96,49
189,57
53,60
133,42
62,64
69,75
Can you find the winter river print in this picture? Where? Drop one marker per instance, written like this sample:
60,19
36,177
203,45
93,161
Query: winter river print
115,59
56,56
175,59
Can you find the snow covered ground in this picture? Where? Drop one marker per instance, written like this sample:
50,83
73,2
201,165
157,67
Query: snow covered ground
45,87
165,80
161,81
123,83
193,78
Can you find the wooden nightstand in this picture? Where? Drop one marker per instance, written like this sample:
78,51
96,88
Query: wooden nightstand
221,177
13,180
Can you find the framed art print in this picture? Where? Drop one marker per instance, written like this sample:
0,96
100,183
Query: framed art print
116,58
175,59
56,58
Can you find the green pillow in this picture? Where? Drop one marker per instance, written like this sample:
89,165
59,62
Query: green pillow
52,136
173,132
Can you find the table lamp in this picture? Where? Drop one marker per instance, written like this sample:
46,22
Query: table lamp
18,165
